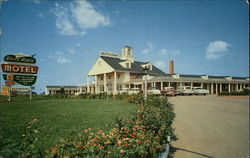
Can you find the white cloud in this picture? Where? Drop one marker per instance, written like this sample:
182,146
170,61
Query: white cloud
216,49
36,1
0,31
76,17
63,60
59,57
40,15
149,48
169,52
161,64
63,24
72,51
87,17
78,44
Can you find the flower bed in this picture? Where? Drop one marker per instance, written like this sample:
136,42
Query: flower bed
143,135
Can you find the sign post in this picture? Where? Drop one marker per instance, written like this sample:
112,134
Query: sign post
9,92
30,92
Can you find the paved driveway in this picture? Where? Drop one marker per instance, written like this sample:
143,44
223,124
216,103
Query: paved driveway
211,126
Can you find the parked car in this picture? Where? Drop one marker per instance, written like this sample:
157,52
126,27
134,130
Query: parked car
185,90
154,91
169,91
78,93
200,91
131,91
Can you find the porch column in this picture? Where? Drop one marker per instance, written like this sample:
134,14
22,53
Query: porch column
169,84
216,90
240,86
191,85
220,87
129,86
105,82
180,84
237,87
161,85
212,88
115,84
80,89
229,87
88,88
244,86
201,85
96,89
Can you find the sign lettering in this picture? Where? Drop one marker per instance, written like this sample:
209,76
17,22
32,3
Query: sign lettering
24,59
25,80
20,89
24,69
108,54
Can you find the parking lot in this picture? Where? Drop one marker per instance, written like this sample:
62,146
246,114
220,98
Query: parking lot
211,126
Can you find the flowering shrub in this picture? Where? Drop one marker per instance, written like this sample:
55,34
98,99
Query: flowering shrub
144,135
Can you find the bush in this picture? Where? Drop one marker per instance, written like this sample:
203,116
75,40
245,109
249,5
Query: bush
143,135
243,92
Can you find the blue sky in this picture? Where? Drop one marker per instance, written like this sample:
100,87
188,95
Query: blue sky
202,37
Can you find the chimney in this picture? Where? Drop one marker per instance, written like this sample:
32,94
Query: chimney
171,67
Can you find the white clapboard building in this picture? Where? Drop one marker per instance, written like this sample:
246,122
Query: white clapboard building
112,73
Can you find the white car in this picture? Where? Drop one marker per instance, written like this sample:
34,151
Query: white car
185,90
154,91
200,90
131,91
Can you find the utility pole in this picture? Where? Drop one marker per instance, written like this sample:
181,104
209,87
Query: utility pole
146,76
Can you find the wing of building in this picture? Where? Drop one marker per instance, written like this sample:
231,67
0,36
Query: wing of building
113,73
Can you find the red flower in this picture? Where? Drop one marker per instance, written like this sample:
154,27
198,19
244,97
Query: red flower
78,146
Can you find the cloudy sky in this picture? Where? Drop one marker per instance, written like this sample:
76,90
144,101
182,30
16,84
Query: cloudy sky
202,37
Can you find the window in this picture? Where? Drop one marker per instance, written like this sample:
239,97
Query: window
109,76
101,78
119,87
118,76
129,52
127,65
101,88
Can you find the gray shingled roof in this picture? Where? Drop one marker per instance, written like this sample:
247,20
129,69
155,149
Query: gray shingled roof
135,67
62,86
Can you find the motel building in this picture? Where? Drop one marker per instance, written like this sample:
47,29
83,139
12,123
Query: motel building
113,73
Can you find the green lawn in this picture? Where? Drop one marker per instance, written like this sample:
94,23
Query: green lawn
60,118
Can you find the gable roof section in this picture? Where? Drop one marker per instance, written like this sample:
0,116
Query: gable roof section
135,67
100,67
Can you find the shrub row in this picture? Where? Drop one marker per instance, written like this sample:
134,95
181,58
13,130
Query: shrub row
143,135
243,92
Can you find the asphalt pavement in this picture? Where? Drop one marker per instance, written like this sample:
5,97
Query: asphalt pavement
211,126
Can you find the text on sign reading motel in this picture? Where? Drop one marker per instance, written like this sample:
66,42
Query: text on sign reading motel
26,69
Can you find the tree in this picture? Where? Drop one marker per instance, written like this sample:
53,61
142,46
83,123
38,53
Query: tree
62,91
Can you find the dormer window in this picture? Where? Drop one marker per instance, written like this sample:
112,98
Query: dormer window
127,65
148,65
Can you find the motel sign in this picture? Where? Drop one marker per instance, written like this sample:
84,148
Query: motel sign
17,73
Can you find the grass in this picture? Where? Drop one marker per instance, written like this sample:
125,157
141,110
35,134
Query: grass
60,118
